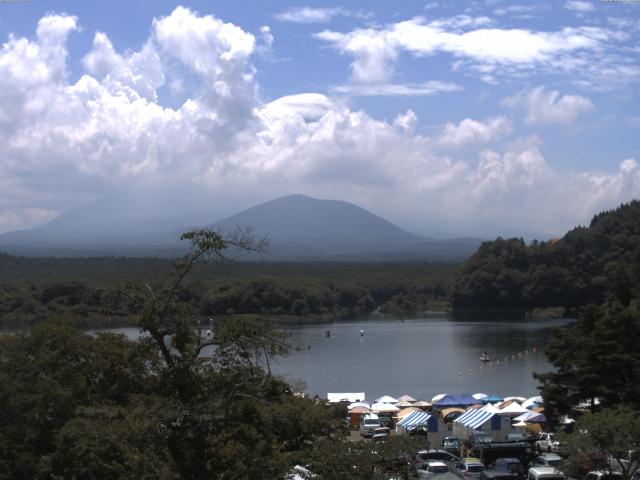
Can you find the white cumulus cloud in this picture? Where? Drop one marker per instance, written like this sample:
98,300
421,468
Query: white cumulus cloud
544,106
472,132
65,142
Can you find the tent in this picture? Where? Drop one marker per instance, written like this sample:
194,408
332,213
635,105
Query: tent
531,417
414,420
407,411
532,402
492,399
513,409
480,396
449,411
380,407
406,398
355,414
386,399
421,404
359,404
517,399
455,401
438,397
474,417
404,404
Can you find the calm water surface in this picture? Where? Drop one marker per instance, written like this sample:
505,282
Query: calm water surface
422,357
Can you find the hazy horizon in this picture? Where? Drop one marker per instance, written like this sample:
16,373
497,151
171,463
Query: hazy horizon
447,119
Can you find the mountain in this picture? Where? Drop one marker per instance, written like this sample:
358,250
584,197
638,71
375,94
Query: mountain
303,227
298,227
140,221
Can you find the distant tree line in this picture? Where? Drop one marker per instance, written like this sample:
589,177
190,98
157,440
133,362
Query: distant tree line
36,289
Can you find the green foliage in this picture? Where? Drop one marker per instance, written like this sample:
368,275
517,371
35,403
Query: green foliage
596,357
582,267
607,440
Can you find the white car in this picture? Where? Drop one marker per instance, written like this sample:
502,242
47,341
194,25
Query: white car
431,469
545,442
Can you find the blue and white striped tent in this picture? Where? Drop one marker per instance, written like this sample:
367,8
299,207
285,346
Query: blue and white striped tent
414,420
474,417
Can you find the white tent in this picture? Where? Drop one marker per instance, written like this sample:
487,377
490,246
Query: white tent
517,399
406,398
525,417
480,396
380,407
532,402
438,397
514,408
386,399
358,404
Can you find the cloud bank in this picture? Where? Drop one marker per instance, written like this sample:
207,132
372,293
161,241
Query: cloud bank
68,142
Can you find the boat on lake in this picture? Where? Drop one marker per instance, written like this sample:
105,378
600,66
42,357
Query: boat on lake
484,357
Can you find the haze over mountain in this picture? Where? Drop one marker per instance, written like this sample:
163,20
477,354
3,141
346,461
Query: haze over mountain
298,227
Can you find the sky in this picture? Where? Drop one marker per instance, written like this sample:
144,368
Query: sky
480,118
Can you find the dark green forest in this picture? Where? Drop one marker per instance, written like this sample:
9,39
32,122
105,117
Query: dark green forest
90,289
583,267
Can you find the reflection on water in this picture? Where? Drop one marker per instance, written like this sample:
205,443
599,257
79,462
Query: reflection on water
421,357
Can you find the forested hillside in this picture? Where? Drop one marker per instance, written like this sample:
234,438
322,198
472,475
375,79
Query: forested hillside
580,268
90,289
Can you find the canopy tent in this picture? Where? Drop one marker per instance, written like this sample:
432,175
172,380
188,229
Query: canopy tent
455,401
448,411
438,397
345,397
406,398
360,410
421,404
386,399
525,416
380,407
539,418
517,399
491,408
514,408
404,404
474,417
492,399
407,411
415,419
480,396
532,402
358,404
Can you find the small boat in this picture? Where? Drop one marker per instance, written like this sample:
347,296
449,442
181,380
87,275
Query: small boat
484,357
327,333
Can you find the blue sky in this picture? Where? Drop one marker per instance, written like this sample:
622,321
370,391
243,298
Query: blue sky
480,118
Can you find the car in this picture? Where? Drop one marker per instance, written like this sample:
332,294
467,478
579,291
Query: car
602,475
547,460
545,442
424,456
495,475
380,434
545,473
511,465
451,444
368,424
431,468
478,440
469,467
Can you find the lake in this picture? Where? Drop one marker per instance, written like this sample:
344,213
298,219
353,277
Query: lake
421,357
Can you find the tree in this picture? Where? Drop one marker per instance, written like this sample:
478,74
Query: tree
611,437
595,358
